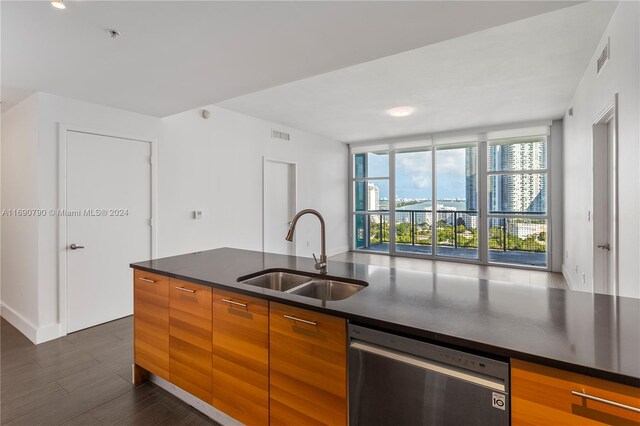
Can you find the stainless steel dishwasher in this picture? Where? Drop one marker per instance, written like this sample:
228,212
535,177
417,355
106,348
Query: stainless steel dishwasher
398,381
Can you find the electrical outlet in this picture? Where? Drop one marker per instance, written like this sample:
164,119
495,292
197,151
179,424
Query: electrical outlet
566,254
576,269
308,244
584,278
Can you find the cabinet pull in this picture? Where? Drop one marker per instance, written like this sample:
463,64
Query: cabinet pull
233,302
606,401
188,290
147,280
300,320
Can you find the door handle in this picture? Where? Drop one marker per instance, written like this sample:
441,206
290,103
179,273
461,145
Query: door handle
74,246
604,246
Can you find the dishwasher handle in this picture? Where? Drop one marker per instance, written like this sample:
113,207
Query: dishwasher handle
434,366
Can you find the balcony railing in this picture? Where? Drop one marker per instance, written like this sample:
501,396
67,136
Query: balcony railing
459,229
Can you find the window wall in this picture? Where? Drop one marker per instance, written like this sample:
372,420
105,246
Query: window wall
479,201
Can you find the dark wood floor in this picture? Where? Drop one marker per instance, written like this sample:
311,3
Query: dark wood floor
82,379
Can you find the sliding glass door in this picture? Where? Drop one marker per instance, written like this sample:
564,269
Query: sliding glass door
456,220
483,201
413,206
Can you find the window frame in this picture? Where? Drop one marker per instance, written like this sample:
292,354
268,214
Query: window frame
519,215
366,212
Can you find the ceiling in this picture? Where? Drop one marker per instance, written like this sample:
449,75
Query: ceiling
521,71
173,56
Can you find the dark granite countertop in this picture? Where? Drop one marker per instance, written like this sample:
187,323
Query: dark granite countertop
593,334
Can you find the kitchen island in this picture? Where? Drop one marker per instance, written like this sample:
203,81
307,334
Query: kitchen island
580,333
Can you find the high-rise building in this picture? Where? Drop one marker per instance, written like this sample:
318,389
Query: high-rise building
515,192
373,197
471,178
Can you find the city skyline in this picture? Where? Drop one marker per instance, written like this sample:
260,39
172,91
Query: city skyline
413,174
457,175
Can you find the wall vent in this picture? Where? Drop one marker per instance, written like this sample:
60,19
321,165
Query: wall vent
280,135
604,57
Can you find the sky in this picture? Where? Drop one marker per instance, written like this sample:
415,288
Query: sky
413,173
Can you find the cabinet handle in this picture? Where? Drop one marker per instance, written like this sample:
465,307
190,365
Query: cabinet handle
300,320
188,290
606,401
233,302
147,280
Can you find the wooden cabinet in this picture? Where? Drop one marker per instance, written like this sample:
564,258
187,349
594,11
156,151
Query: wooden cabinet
308,367
241,357
543,396
190,338
151,322
258,362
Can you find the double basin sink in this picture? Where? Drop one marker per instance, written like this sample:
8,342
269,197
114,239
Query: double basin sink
324,288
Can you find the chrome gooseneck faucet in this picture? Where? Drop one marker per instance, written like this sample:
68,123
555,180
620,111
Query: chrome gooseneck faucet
321,265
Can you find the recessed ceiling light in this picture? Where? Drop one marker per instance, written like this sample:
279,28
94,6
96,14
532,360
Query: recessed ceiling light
58,4
403,111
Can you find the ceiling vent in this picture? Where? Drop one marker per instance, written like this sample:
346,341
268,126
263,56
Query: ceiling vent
280,135
604,57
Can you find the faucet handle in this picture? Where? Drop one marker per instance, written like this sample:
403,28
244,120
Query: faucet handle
320,264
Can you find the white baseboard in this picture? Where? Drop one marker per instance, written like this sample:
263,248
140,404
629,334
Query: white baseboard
49,332
18,321
200,405
24,326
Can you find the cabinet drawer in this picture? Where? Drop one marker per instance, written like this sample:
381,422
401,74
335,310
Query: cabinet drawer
308,366
190,337
151,322
241,357
543,395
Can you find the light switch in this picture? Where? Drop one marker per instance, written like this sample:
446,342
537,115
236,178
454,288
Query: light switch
197,214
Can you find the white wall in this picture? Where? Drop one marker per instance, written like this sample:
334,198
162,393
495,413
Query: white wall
556,188
19,291
621,75
215,165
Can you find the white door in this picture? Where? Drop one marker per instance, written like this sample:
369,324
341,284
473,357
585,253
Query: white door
605,205
279,205
108,183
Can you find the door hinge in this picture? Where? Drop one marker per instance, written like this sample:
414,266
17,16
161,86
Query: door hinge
150,159
150,221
